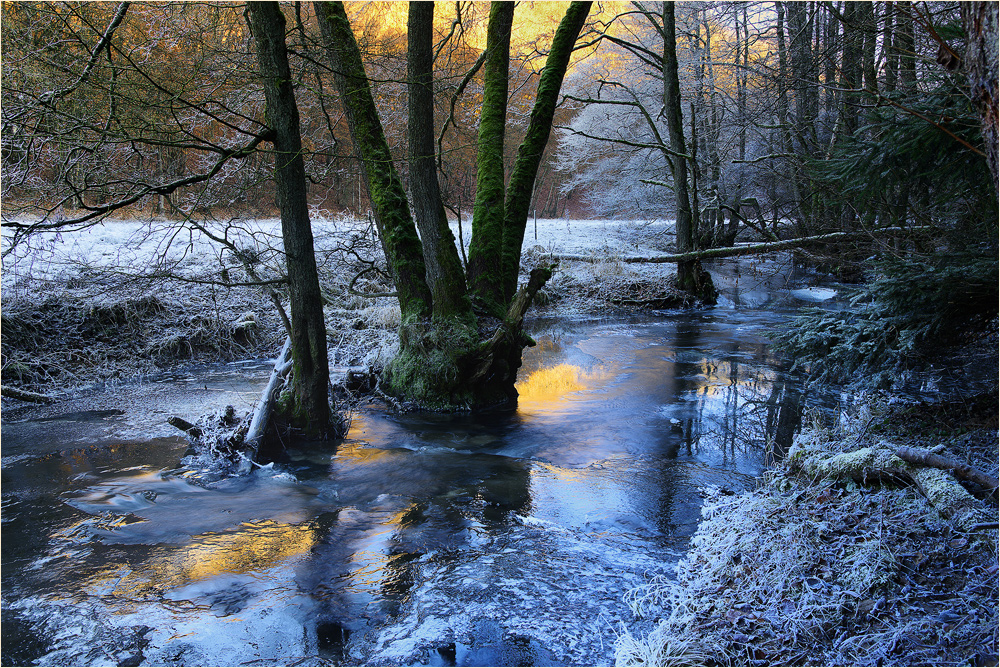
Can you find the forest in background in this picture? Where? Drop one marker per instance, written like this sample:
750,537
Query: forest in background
785,105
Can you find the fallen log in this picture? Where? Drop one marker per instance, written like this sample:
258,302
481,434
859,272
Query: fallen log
879,463
262,413
25,395
749,249
959,469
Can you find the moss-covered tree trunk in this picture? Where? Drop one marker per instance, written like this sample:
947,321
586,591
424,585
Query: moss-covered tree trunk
455,352
691,277
308,407
444,269
529,154
402,246
486,248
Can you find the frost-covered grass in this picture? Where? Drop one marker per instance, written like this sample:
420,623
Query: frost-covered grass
808,570
129,297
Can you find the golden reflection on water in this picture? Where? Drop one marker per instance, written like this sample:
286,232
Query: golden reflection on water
255,546
553,384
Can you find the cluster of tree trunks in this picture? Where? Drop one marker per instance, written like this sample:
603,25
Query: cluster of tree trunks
460,336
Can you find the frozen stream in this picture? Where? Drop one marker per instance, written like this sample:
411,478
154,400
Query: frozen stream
500,539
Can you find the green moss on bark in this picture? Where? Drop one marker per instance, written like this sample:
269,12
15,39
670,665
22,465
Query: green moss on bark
432,364
486,248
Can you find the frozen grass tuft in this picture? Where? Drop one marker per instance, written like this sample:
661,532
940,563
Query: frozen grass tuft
384,314
658,648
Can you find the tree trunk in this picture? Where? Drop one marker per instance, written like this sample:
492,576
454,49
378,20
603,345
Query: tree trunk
831,48
801,56
869,28
529,153
486,248
307,406
981,64
890,56
445,276
402,246
905,46
690,275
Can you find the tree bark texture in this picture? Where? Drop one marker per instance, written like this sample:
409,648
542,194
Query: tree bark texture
486,248
445,275
529,153
981,63
402,246
309,408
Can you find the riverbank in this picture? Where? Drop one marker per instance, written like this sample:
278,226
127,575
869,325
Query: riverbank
116,303
827,564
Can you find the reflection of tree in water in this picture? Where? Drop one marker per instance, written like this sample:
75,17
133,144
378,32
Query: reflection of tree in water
363,567
760,409
740,402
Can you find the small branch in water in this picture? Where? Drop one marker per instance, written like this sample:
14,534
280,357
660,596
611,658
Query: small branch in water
262,414
185,426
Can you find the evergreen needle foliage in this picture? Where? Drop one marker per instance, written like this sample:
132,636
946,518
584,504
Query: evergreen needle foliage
912,161
906,312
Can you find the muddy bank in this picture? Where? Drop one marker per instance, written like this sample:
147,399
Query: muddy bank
828,567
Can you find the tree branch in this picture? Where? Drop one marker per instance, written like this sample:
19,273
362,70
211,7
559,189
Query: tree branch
753,249
102,43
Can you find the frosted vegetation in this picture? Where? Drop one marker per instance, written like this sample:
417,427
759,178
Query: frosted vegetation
171,279
815,569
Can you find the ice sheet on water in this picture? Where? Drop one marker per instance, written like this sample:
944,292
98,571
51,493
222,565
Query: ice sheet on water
814,294
559,588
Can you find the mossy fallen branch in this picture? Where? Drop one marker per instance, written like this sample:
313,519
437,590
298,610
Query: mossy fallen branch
958,469
880,463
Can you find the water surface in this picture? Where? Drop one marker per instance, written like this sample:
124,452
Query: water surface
506,538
